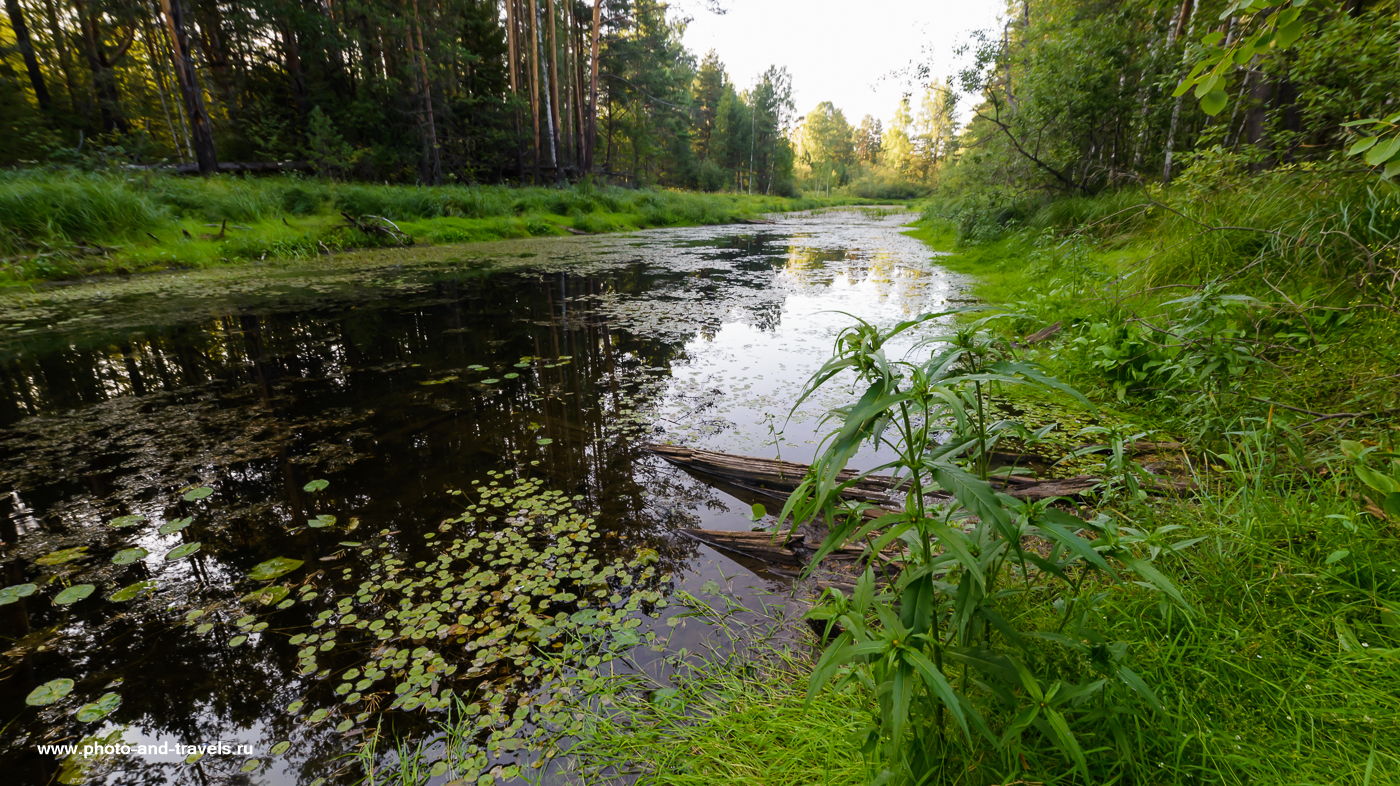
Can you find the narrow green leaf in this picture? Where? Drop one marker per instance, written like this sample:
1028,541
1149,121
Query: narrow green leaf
938,684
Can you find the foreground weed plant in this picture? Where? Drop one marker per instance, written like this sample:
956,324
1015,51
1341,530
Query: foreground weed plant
982,640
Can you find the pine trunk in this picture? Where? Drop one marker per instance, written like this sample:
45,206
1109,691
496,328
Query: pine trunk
593,89
531,26
202,136
26,50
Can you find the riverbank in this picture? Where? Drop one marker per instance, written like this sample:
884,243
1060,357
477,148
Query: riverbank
63,225
1229,321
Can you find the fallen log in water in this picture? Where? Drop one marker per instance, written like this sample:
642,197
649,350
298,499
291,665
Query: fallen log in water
879,489
759,545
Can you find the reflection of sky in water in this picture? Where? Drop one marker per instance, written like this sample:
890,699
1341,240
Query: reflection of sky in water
736,383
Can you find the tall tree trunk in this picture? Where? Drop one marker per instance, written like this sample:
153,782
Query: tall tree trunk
291,51
531,29
551,111
156,71
1188,19
26,50
513,52
580,104
202,136
593,92
432,156
169,55
554,125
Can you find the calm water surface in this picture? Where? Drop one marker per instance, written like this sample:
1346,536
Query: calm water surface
397,380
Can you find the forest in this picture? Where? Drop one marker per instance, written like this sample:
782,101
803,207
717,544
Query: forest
523,397
458,92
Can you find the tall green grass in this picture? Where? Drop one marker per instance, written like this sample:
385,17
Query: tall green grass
144,216
1288,223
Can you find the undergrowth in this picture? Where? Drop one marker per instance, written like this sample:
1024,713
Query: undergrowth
61,224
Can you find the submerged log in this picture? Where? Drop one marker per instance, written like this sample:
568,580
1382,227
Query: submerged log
759,545
878,489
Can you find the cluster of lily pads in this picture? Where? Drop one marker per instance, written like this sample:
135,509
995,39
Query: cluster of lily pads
55,690
526,361
521,584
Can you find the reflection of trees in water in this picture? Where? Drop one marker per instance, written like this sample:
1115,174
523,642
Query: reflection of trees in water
255,404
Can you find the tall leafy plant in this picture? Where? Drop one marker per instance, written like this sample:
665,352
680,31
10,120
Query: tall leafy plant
952,642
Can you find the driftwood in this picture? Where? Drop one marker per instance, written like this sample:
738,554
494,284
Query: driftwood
1041,335
759,545
767,473
777,475
385,228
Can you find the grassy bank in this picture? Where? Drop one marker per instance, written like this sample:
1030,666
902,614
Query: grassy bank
1258,325
63,224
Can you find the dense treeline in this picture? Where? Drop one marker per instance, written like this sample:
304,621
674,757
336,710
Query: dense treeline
1072,97
1079,96
412,91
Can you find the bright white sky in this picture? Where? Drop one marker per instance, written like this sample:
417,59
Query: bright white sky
842,51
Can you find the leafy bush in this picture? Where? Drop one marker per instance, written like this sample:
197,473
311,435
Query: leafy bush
956,677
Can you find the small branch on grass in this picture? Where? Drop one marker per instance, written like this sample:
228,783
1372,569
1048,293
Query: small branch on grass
390,231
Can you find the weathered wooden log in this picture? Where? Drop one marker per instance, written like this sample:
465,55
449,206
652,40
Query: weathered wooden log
879,489
769,473
759,545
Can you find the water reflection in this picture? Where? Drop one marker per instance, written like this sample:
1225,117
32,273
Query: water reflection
396,385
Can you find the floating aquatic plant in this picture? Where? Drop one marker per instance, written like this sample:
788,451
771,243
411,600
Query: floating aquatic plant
73,594
49,692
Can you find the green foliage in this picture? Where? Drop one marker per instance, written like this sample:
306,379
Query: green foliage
326,150
957,675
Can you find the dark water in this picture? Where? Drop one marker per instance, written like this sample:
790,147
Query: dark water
397,379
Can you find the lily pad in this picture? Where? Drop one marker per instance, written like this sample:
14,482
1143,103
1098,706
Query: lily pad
280,748
315,485
237,640
180,552
489,381
99,709
250,765
73,594
128,556
197,494
126,521
49,692
130,591
274,568
544,441
9,595
175,526
267,595
323,520
62,556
